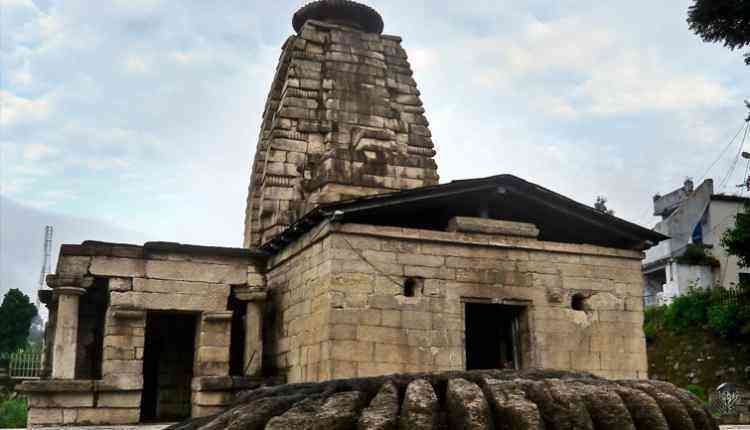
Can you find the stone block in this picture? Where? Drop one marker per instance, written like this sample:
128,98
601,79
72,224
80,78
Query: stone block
351,350
430,272
61,400
123,399
387,353
123,341
391,318
585,360
108,416
211,368
122,366
120,284
343,368
196,272
452,358
492,227
556,358
381,334
115,353
213,354
416,320
365,370
73,265
123,381
212,398
122,267
176,287
38,417
216,301
421,260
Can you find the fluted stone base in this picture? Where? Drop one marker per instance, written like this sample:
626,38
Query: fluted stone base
497,399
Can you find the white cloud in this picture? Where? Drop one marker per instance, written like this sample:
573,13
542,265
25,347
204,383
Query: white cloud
136,64
37,151
15,110
154,105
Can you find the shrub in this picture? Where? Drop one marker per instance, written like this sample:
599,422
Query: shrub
698,391
688,310
697,255
653,320
723,319
13,413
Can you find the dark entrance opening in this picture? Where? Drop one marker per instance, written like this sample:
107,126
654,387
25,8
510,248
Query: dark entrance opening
92,310
492,336
167,366
237,339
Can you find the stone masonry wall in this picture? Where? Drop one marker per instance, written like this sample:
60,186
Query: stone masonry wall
138,282
373,329
343,119
296,333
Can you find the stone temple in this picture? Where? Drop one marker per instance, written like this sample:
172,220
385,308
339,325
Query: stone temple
357,262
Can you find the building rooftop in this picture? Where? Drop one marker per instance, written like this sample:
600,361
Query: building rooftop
503,197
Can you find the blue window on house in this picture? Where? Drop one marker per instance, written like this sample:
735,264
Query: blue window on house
698,234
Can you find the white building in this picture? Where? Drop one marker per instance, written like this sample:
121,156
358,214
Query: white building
692,216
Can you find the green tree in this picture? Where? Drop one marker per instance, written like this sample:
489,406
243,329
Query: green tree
736,240
601,205
16,314
726,21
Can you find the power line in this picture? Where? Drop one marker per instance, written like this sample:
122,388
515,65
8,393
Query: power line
736,160
642,218
744,126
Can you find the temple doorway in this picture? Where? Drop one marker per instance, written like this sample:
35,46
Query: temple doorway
492,336
167,366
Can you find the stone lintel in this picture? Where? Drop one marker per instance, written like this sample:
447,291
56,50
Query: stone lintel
57,386
250,294
128,314
58,281
492,227
217,316
69,386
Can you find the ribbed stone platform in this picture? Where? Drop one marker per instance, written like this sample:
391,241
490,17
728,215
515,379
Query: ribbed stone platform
533,400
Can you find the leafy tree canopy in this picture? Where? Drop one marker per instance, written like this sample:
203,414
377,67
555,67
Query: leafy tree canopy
736,240
16,314
725,21
601,205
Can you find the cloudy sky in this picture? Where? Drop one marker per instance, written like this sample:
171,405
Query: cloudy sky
134,120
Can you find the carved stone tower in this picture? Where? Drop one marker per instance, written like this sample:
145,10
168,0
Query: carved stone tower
343,119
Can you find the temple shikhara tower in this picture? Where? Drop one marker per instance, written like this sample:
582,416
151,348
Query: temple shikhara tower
356,261
343,120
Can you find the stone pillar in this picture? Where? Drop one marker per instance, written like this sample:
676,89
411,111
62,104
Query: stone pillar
66,332
212,344
255,299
